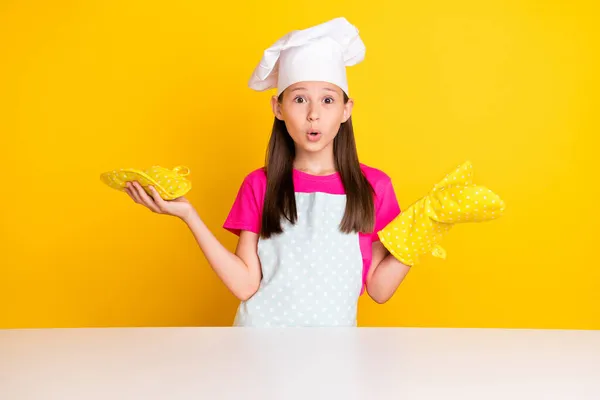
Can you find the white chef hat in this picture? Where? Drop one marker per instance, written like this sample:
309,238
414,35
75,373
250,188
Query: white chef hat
319,53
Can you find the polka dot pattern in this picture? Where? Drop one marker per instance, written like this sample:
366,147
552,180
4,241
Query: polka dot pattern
312,273
170,184
419,229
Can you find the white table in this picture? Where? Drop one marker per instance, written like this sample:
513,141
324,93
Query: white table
239,363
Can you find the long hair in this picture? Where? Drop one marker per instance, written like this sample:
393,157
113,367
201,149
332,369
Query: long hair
280,200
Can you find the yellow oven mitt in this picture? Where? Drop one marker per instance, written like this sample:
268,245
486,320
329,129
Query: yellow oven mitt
419,229
170,183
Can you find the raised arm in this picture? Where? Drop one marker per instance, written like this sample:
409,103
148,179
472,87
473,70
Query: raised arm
240,271
385,274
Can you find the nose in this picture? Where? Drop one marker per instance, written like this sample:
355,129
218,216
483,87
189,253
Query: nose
313,112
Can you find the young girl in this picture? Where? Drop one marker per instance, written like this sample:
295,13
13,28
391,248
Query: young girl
307,222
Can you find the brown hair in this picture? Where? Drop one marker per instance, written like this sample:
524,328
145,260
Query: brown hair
280,201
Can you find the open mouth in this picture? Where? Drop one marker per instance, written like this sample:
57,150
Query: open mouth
313,136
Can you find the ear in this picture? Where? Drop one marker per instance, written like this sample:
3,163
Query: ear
348,110
276,108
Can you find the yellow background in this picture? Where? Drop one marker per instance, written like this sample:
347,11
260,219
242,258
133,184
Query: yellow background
88,86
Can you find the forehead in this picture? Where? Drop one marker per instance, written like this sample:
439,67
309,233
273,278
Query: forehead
315,86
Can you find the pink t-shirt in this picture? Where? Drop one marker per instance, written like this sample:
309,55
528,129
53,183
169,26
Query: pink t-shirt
246,212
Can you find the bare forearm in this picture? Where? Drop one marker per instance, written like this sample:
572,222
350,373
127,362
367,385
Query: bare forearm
230,268
386,279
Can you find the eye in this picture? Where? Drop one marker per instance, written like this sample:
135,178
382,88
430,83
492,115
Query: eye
298,99
328,100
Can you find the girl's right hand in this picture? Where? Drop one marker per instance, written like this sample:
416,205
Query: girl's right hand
179,207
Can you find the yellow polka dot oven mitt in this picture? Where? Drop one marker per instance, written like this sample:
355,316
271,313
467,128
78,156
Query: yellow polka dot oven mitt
170,183
418,230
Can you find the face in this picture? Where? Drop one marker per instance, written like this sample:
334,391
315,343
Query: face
313,113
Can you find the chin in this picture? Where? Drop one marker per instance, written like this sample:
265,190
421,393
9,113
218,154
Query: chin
314,147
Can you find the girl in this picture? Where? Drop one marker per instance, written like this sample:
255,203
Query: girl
307,222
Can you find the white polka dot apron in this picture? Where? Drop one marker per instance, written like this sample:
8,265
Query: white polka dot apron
312,272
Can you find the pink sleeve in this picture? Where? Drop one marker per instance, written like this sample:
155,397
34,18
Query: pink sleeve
246,212
386,208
